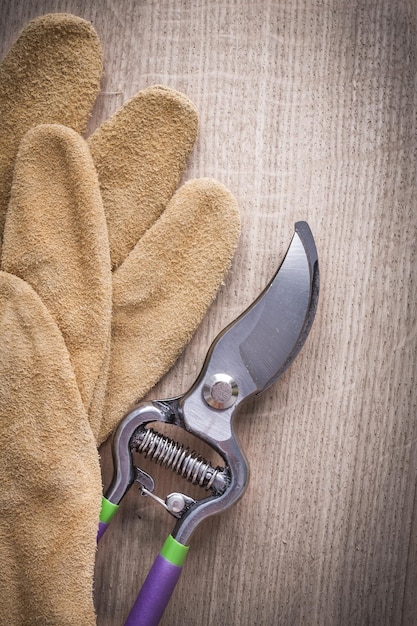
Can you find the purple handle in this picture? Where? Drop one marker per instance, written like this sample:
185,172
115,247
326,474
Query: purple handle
155,593
102,527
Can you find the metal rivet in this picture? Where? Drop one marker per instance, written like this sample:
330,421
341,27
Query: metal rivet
220,391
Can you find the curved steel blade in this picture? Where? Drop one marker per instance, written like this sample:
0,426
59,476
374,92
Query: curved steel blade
267,337
276,326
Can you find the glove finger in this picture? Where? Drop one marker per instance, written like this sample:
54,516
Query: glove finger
162,290
55,239
51,74
50,486
140,154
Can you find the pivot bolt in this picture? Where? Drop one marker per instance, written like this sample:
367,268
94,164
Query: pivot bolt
220,391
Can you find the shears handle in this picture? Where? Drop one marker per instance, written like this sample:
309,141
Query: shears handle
159,585
108,509
161,580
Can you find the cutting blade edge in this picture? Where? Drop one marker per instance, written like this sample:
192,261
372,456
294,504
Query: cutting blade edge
267,337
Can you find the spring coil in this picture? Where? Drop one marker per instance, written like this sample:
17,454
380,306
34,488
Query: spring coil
172,455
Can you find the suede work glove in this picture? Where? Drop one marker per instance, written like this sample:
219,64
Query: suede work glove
169,252
115,269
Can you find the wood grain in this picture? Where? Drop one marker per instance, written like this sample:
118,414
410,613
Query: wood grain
307,111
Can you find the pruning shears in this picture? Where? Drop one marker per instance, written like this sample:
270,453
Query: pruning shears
246,358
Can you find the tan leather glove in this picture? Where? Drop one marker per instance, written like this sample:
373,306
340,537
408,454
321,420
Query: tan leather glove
58,267
169,252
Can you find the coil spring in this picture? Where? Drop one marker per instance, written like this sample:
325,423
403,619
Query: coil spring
172,455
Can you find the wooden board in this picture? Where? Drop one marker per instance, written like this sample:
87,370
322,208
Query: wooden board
307,112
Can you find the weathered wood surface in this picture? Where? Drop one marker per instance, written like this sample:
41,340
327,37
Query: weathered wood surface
308,111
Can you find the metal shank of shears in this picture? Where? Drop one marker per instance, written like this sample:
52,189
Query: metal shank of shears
244,360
